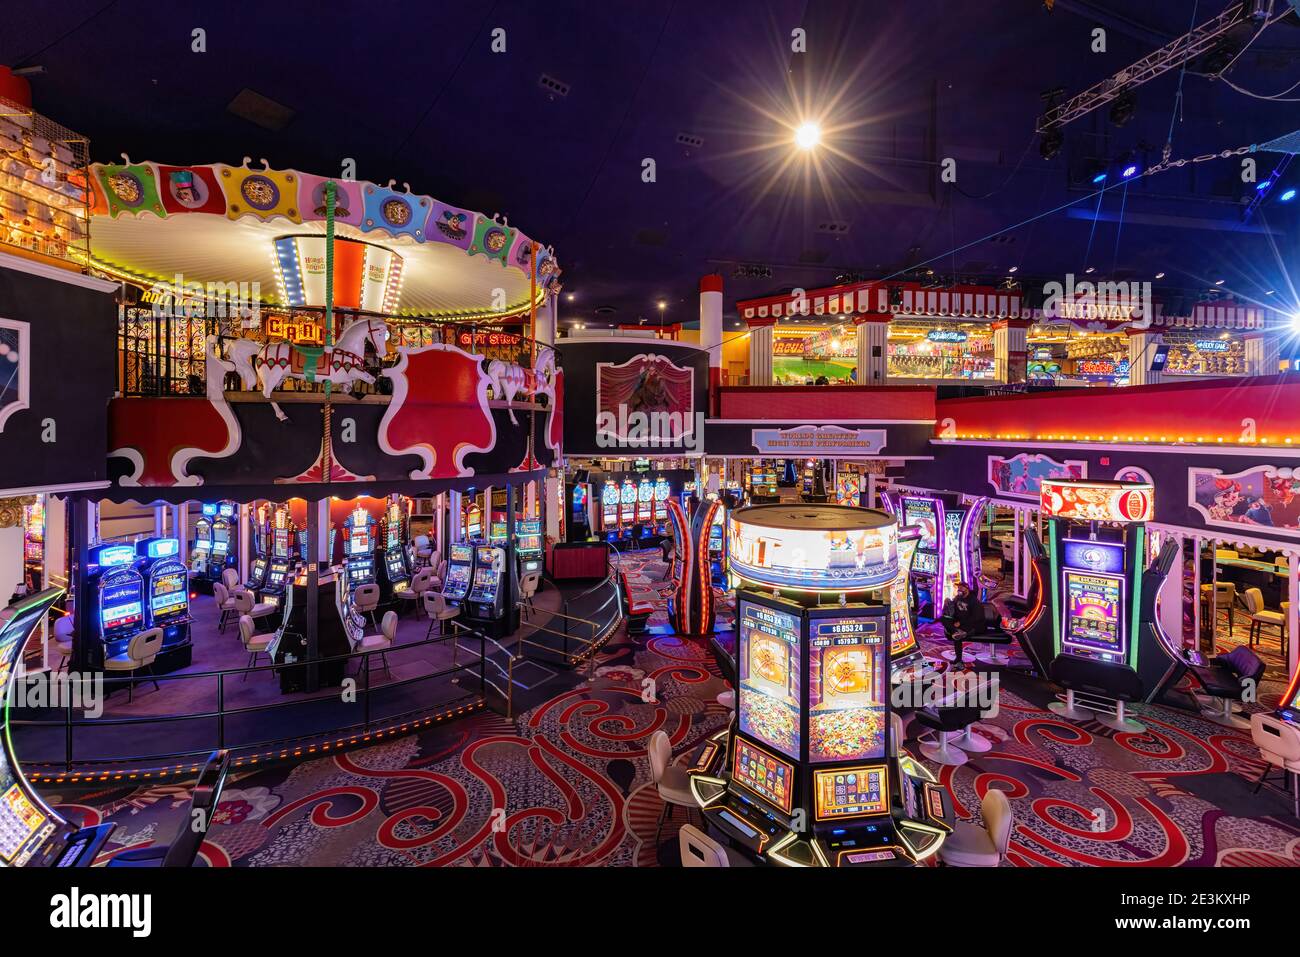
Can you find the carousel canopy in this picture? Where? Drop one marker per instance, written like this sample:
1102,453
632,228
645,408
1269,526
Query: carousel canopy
219,224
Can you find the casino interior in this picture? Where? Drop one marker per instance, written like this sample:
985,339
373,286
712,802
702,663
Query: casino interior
345,515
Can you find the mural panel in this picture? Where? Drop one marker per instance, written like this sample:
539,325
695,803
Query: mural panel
1264,497
1021,476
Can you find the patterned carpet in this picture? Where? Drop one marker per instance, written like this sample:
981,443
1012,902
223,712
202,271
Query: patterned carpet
567,783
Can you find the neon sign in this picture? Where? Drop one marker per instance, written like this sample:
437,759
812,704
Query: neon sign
1122,502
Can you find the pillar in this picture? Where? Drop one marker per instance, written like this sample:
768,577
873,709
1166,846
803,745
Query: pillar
181,523
1292,624
760,354
1262,354
873,348
159,521
245,541
454,507
1010,349
1142,345
555,505
56,540
11,546
711,333
548,320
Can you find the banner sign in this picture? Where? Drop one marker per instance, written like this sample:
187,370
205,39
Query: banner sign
826,441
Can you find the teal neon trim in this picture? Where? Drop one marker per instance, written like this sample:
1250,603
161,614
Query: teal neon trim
1056,586
1136,596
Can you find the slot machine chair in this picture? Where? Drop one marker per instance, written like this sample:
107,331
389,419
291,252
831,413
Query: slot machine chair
184,848
528,585
1279,747
1260,616
381,642
63,640
245,605
670,780
699,850
140,653
439,610
1223,678
415,591
365,599
225,604
974,845
945,723
254,643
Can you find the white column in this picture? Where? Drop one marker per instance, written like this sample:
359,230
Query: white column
1010,345
56,538
711,330
454,508
548,320
1141,349
181,522
873,349
554,503
760,355
1261,355
245,541
159,520
323,553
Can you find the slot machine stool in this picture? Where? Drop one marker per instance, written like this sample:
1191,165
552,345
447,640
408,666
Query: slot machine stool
1096,693
1279,746
943,722
1223,678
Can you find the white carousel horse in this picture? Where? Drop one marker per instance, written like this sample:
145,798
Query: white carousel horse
509,379
341,364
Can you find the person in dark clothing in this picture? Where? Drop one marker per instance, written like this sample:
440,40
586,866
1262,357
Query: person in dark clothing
963,612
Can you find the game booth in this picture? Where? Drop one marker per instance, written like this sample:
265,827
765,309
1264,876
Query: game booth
808,774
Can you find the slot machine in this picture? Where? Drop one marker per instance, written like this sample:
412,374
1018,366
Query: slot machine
948,548
718,547
32,834
397,573
359,550
807,484
256,575
806,775
528,546
627,507
663,491
906,662
460,571
487,594
223,523
609,497
645,507
1109,646
201,553
117,592
473,522
283,560
497,533
166,583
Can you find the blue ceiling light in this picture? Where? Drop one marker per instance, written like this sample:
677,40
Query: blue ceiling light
1264,185
1098,179
1130,170
1287,196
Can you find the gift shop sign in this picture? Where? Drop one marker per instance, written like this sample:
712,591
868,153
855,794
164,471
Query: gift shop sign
819,440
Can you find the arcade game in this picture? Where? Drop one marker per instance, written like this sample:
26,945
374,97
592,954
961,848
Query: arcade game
116,593
31,833
806,774
167,585
489,595
1108,646
662,492
283,559
498,532
627,507
645,507
223,546
948,549
460,571
528,546
609,497
358,550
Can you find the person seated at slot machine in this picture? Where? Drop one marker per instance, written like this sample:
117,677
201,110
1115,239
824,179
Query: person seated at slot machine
963,614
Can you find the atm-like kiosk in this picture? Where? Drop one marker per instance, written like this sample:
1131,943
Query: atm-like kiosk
1108,648
489,599
166,587
358,550
528,546
32,834
807,775
283,560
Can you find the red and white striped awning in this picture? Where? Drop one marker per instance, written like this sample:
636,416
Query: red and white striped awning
1217,316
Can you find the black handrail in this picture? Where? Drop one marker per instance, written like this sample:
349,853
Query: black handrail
69,722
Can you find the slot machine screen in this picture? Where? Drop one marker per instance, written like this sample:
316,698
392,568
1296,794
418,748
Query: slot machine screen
921,513
280,543
848,681
169,594
763,774
462,553
359,542
859,791
902,640
120,605
396,567
662,492
768,657
259,569
952,550
498,532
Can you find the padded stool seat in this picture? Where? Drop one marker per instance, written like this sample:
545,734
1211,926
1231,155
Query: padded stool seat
944,722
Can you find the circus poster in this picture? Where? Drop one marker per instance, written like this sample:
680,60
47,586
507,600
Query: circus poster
1264,497
647,400
1021,476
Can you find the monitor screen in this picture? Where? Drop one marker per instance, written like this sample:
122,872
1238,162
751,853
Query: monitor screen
462,553
768,656
922,513
848,683
169,595
359,542
763,774
859,791
1093,609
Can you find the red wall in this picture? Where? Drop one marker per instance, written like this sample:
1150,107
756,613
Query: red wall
828,403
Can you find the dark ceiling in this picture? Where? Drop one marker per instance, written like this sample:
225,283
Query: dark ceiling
413,92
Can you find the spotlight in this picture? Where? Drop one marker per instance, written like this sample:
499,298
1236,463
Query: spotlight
1295,322
807,136
1160,275
1287,196
1130,170
1264,185
1050,144
1099,179
1121,111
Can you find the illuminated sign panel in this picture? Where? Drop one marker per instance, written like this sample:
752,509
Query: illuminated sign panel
813,559
1121,502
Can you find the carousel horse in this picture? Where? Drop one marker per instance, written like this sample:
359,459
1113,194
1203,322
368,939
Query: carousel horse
341,364
509,379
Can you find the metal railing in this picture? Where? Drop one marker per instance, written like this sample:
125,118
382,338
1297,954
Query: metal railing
222,717
587,633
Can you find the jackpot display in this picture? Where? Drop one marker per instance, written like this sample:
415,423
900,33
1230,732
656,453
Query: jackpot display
1092,583
847,684
460,567
767,654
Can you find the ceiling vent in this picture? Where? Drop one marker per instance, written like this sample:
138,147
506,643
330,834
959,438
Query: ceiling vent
260,110
553,86
690,140
834,227
606,310
751,271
